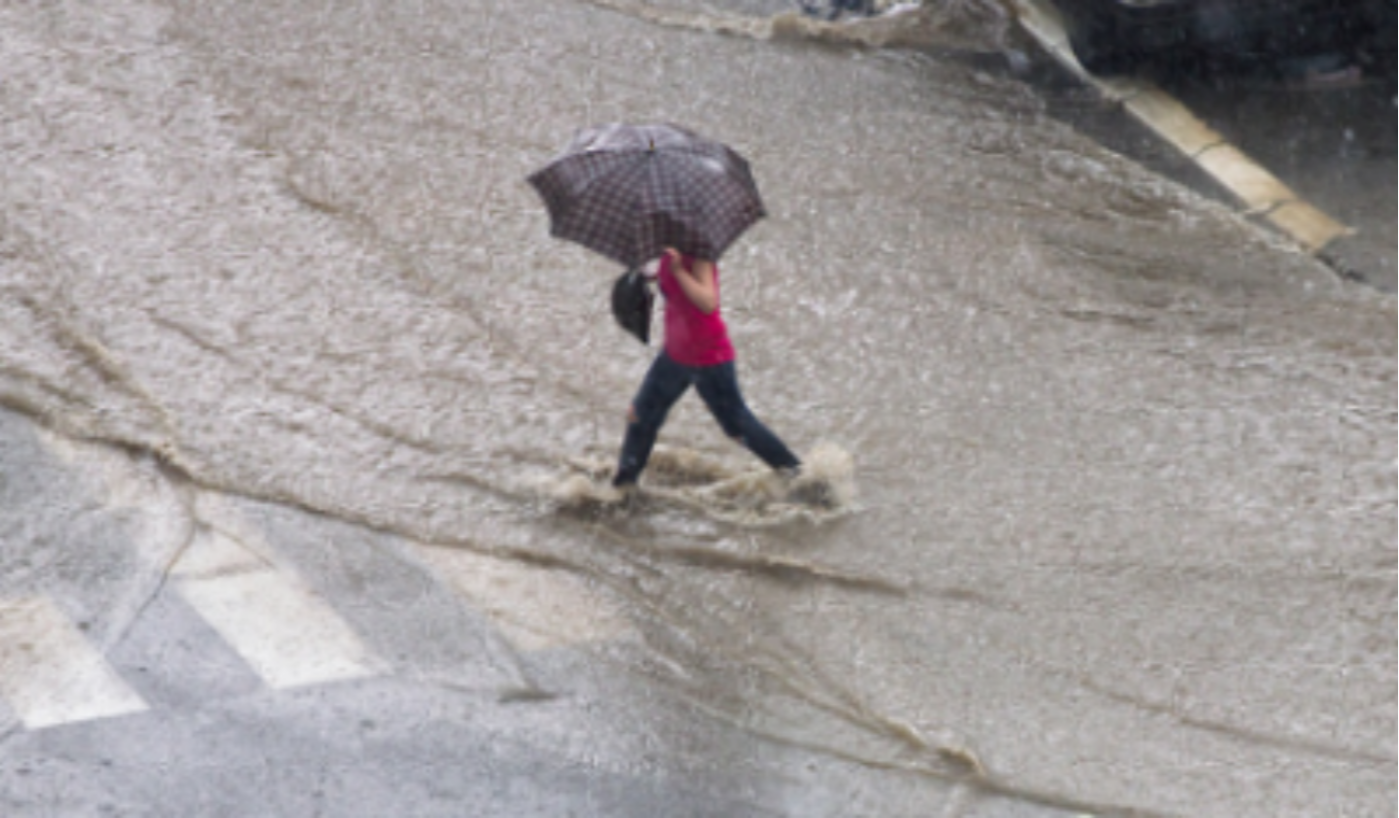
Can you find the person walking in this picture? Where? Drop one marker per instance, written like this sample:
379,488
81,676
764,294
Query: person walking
696,352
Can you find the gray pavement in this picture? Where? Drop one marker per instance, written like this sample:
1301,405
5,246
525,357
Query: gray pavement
455,721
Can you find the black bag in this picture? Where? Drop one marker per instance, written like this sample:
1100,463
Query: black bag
631,304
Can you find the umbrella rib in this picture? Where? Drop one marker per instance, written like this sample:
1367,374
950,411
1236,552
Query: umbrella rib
615,165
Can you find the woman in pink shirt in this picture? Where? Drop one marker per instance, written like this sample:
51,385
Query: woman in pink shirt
697,352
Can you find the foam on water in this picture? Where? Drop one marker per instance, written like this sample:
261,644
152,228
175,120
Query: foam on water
973,25
679,477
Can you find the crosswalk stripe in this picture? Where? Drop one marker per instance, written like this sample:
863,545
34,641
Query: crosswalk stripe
287,634
50,674
535,608
232,579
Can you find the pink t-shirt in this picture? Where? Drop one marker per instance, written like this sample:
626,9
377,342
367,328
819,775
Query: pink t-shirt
691,337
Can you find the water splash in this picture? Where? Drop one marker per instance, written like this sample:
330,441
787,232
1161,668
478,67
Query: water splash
683,478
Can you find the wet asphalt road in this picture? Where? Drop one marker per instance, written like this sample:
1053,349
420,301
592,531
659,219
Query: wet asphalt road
450,718
438,706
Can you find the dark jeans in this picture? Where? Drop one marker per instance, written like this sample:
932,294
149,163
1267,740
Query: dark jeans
718,386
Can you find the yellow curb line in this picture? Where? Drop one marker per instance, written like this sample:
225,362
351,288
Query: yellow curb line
1260,192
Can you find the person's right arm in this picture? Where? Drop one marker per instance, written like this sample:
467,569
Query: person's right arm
696,280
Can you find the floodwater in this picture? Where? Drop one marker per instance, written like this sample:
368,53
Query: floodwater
1117,469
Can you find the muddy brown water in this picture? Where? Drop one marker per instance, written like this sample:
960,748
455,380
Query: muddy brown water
1121,522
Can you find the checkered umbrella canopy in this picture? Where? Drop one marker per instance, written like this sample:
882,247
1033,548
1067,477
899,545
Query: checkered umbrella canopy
629,191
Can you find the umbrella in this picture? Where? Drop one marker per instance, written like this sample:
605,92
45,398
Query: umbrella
630,191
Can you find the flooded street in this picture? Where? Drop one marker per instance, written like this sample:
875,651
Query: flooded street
1118,529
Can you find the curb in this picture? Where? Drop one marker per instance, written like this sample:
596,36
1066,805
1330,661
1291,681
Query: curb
1260,193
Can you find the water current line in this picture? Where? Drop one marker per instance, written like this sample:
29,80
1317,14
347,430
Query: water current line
713,21
373,236
888,30
836,701
193,527
954,764
72,336
844,705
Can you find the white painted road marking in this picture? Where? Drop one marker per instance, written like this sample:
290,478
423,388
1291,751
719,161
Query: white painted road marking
536,608
286,633
50,674
232,579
